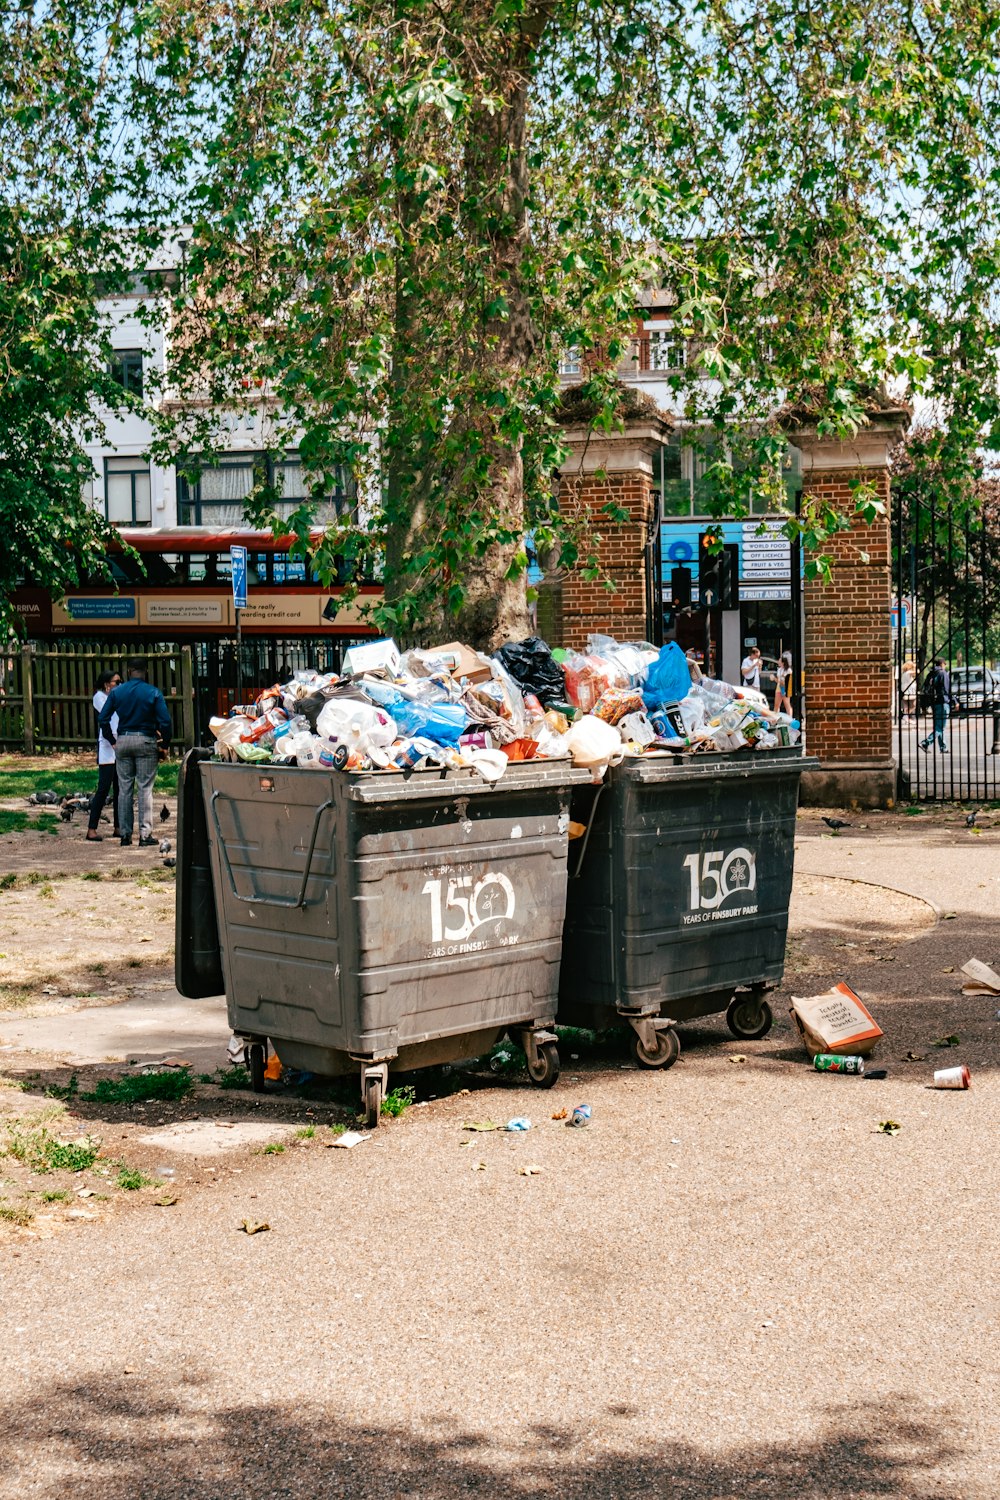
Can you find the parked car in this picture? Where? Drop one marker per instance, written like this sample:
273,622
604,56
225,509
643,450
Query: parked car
974,690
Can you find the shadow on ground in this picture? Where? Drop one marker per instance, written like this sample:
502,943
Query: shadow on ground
128,1436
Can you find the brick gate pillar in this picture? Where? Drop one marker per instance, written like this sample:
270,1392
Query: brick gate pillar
605,468
848,668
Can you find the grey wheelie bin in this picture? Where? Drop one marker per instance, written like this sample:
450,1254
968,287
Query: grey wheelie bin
360,923
678,895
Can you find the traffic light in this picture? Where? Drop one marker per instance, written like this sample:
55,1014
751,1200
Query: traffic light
718,572
680,588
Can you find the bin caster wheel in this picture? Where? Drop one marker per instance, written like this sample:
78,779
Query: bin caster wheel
749,1017
667,1051
374,1094
257,1061
545,1069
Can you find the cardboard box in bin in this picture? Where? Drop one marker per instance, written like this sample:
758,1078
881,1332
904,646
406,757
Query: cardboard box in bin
464,661
836,1022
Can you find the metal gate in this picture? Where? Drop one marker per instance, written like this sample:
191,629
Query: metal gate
946,606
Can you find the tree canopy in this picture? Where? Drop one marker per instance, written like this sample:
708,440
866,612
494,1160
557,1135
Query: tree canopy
398,216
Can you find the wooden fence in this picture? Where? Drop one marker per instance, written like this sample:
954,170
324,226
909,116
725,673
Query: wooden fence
46,694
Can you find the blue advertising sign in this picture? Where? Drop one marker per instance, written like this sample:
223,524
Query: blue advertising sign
238,559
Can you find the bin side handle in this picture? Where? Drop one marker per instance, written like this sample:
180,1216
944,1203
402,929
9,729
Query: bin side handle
300,900
585,836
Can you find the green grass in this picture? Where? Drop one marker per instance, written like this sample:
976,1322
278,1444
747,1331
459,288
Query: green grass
57,1195
273,1148
398,1101
28,778
23,822
130,1179
57,1091
337,1129
305,1133
135,1088
43,1152
234,1078
16,1213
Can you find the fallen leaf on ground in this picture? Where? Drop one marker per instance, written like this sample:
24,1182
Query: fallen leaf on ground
166,1200
560,1114
251,1226
889,1127
915,1057
738,1057
948,916
947,1041
949,970
528,1171
481,1125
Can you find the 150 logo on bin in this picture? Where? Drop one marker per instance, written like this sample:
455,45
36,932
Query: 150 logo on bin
717,877
465,904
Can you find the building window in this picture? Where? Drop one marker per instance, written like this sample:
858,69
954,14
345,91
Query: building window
664,349
126,369
126,491
217,494
571,364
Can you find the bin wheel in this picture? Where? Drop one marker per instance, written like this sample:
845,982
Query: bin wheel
668,1050
749,1017
545,1070
374,1092
257,1061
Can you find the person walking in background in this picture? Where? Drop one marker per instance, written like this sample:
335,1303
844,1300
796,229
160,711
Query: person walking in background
782,700
937,692
143,728
107,773
908,690
750,668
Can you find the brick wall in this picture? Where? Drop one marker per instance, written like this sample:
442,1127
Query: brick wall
584,607
848,639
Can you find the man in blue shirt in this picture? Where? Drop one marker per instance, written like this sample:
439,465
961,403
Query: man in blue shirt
143,726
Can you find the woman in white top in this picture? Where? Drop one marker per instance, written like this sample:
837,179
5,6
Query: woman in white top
107,772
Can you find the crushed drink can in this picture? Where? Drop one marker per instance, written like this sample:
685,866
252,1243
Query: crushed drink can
580,1116
832,1062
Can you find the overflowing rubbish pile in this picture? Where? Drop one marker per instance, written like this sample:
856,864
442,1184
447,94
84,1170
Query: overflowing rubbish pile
451,706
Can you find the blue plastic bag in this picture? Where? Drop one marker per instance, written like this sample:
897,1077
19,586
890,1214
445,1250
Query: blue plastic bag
444,723
668,679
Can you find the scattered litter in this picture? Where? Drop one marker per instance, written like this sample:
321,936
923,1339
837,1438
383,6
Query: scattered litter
982,979
166,1172
145,940
767,1323
874,1074
948,916
519,1122
348,1139
85,1193
560,1114
529,1171
479,1166
738,1057
952,1078
832,1062
254,1226
889,1127
481,1125
835,1022
915,1057
947,1041
581,1115
949,970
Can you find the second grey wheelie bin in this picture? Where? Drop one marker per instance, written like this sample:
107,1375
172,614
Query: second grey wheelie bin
678,895
367,921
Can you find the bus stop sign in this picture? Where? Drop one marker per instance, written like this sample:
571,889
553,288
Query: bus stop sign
238,558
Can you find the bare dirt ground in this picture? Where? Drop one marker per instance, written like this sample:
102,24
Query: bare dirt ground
730,1285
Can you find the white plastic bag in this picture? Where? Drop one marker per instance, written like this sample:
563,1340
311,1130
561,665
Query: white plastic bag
591,742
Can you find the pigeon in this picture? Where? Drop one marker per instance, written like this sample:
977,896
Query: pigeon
970,821
43,799
164,813
66,813
170,863
165,846
836,824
